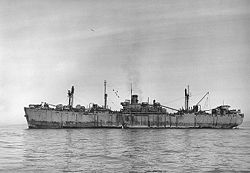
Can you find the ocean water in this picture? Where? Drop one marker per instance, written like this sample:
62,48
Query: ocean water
124,150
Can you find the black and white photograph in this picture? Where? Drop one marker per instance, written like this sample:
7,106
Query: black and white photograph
130,86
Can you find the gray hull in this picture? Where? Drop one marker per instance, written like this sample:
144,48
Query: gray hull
46,118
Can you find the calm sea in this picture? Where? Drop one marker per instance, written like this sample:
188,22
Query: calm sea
124,150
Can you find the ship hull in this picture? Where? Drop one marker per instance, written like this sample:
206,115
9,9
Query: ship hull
49,119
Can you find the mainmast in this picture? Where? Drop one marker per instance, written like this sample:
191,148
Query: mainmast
105,95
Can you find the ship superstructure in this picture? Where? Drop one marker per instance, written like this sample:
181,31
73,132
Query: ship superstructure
132,115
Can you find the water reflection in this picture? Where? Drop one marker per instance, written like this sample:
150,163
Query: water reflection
109,150
67,154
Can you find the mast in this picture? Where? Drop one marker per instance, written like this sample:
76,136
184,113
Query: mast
71,96
131,93
186,98
105,95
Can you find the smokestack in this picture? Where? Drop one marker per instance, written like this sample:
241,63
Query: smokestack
134,99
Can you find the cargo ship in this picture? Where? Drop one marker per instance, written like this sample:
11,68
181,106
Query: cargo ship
132,115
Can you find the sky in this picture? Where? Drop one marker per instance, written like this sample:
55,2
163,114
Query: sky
158,46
